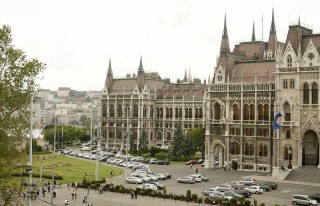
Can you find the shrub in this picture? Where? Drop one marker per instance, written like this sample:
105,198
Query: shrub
171,196
188,195
148,191
226,203
247,202
233,200
84,181
182,197
154,194
194,196
199,200
165,196
262,204
176,197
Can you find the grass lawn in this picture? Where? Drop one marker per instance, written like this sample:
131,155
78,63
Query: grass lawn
71,169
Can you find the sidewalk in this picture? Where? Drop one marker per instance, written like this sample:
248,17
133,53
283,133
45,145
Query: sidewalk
105,199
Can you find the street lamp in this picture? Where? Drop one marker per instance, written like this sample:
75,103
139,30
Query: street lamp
127,134
289,154
29,169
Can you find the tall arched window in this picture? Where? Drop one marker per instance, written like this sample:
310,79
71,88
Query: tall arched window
266,112
305,93
119,110
285,84
248,148
144,110
151,111
200,113
135,110
246,112
289,61
176,114
260,112
314,93
159,135
169,136
252,112
190,112
236,112
217,111
111,110
287,111
235,148
265,150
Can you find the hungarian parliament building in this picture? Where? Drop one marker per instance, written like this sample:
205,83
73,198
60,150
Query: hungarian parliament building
237,107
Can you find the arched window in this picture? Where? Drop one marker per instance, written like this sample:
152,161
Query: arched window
159,135
135,110
266,112
292,84
119,110
248,149
196,113
151,111
246,112
144,110
235,148
171,113
236,112
200,113
111,110
169,136
180,113
289,61
305,93
260,112
167,113
252,112
190,112
265,150
287,111
285,84
217,111
186,112
176,114
314,93
260,150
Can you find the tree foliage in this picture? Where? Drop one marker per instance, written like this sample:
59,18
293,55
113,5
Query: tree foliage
143,141
17,83
177,150
198,139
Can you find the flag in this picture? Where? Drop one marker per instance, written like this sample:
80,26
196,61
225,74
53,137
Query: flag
275,123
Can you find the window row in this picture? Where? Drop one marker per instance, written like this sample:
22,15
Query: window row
248,149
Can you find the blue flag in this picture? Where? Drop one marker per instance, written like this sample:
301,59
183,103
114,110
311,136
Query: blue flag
275,123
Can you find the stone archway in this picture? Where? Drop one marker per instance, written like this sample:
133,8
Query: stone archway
310,148
217,155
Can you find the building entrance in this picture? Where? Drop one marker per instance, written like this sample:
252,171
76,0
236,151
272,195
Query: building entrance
310,150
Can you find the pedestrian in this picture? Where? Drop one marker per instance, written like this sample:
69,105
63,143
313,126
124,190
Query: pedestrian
191,166
135,194
49,188
43,192
54,192
66,202
75,195
196,170
72,195
132,194
85,198
255,202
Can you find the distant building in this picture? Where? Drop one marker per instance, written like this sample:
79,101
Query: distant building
63,92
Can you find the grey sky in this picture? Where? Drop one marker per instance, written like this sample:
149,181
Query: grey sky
76,38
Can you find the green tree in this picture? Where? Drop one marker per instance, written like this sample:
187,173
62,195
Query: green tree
198,137
143,141
177,150
17,84
189,147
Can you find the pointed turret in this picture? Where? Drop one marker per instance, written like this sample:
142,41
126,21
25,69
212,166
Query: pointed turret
253,38
185,76
272,43
110,68
140,66
109,79
225,40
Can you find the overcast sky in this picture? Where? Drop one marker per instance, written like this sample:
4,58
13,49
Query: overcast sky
76,38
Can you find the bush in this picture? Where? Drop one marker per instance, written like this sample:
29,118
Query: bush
262,204
233,200
188,195
199,200
176,197
247,202
182,197
194,196
146,155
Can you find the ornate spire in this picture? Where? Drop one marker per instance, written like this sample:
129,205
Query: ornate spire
273,26
110,68
253,38
185,75
140,66
225,40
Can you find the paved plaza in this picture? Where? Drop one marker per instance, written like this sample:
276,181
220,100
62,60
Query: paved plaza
298,182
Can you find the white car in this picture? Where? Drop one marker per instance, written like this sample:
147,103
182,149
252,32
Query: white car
248,181
134,180
254,189
148,186
200,177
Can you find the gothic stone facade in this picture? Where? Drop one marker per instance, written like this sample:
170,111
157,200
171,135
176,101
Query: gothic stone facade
252,84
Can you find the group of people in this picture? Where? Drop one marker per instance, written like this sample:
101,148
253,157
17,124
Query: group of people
133,194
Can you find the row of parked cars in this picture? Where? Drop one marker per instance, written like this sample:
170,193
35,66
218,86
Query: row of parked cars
194,178
242,188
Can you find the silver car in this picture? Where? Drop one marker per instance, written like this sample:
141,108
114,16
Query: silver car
303,200
186,179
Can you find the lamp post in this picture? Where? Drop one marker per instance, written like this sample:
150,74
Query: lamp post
30,152
127,134
289,154
55,132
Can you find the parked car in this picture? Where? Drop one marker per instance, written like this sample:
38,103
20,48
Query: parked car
265,187
163,162
220,195
316,196
134,180
233,194
193,162
223,188
186,179
254,189
298,199
273,185
244,193
158,184
168,176
148,186
248,181
161,176
201,177
153,161
200,161
209,191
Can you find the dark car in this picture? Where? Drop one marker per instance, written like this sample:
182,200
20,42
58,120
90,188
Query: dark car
316,196
163,162
265,187
193,162
200,161
158,184
167,175
244,193
273,185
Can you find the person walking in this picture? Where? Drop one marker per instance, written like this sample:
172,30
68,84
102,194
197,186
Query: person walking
191,165
75,195
196,170
72,195
132,194
66,202
135,194
43,192
85,198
